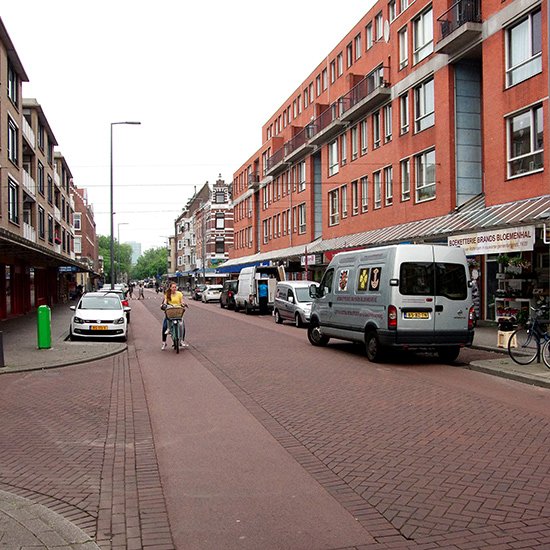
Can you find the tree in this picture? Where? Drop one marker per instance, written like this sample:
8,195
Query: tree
123,258
153,263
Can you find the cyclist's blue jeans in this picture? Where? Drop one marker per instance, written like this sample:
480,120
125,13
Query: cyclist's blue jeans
165,326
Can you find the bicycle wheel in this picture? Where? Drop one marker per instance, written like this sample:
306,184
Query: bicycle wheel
545,352
523,346
176,336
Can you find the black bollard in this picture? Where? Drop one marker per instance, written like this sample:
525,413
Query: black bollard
2,364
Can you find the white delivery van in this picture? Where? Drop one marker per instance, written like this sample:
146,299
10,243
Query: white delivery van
249,279
400,296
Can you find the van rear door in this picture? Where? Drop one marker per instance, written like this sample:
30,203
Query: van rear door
416,301
453,296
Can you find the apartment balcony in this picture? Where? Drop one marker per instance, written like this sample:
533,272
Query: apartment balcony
57,213
459,27
298,147
29,232
274,161
56,179
327,125
28,133
253,180
71,202
369,94
57,248
29,184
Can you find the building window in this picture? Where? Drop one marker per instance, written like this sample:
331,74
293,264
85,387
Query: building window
302,218
405,4
403,48
388,182
424,115
344,201
425,176
13,141
354,198
379,23
344,149
524,49
349,54
50,190
405,180
41,223
368,32
13,201
404,112
50,229
354,143
391,10
387,123
77,216
220,245
332,71
12,84
318,85
340,64
324,78
40,136
364,137
364,193
334,207
376,130
333,166
78,245
423,36
377,181
526,140
357,41
220,220
220,197
266,231
301,175
40,178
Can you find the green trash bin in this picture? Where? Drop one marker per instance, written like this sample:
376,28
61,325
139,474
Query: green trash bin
44,327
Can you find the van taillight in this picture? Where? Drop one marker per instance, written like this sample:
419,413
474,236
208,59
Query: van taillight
471,317
392,317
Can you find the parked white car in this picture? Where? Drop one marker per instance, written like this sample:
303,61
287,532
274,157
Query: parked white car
99,315
212,293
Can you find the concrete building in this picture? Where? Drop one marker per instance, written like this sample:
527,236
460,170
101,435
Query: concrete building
37,262
424,124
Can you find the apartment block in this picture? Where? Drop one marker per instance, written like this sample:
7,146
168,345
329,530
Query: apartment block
425,123
37,260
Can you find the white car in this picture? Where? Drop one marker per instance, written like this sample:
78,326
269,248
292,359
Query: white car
212,293
99,315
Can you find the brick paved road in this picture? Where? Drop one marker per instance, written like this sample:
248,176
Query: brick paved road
78,440
423,455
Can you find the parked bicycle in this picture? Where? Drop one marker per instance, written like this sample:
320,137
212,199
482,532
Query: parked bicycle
525,344
174,315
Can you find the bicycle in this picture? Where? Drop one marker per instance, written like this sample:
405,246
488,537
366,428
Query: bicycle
174,315
524,345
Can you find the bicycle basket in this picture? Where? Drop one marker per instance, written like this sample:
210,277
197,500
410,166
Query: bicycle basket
174,313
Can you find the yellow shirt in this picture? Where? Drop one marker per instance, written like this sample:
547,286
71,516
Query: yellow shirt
175,299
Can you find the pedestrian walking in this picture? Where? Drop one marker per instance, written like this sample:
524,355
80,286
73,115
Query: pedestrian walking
140,292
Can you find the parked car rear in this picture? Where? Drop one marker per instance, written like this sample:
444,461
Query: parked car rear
197,293
229,290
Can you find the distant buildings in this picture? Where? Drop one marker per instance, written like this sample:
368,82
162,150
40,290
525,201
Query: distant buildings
136,250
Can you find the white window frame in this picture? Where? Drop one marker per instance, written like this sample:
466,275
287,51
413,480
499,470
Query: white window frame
357,44
424,105
77,221
519,161
388,184
379,26
387,123
403,35
340,64
368,34
377,185
344,200
376,139
354,198
344,149
302,218
424,170
364,137
354,143
333,166
334,207
423,36
524,49
404,113
301,175
405,170
364,194
13,200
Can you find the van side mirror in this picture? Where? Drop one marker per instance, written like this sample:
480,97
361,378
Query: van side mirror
315,291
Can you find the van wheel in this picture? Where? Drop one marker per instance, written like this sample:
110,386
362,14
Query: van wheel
247,308
448,355
372,347
315,336
298,320
278,318
236,308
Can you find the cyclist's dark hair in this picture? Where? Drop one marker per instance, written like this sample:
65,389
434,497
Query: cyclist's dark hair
168,293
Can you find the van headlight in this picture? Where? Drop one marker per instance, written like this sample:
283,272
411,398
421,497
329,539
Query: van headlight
119,321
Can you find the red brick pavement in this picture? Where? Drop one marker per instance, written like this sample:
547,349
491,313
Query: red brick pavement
78,440
419,462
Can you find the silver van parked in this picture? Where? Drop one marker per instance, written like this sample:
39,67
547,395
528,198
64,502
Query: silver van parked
293,302
401,296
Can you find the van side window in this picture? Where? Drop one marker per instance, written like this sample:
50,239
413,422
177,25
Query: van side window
343,280
326,283
451,281
417,279
363,282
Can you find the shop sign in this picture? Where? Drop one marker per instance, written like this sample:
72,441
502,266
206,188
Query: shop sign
498,241
312,259
67,269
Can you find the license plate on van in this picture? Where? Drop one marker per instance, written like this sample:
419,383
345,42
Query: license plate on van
416,315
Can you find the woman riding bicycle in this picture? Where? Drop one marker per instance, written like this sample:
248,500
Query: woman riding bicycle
173,297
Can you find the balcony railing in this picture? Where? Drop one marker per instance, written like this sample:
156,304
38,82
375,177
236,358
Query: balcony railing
29,232
460,13
57,213
28,132
29,184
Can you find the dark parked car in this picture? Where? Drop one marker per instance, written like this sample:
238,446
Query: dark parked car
227,298
197,293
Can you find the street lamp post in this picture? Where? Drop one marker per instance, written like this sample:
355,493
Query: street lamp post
112,213
118,250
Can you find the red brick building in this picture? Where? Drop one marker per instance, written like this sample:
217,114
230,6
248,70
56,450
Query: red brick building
425,122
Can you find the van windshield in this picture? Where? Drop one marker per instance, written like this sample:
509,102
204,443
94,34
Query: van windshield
420,279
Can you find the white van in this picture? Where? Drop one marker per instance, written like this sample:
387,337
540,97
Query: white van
250,278
400,296
293,302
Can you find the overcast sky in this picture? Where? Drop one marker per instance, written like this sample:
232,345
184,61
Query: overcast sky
201,77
